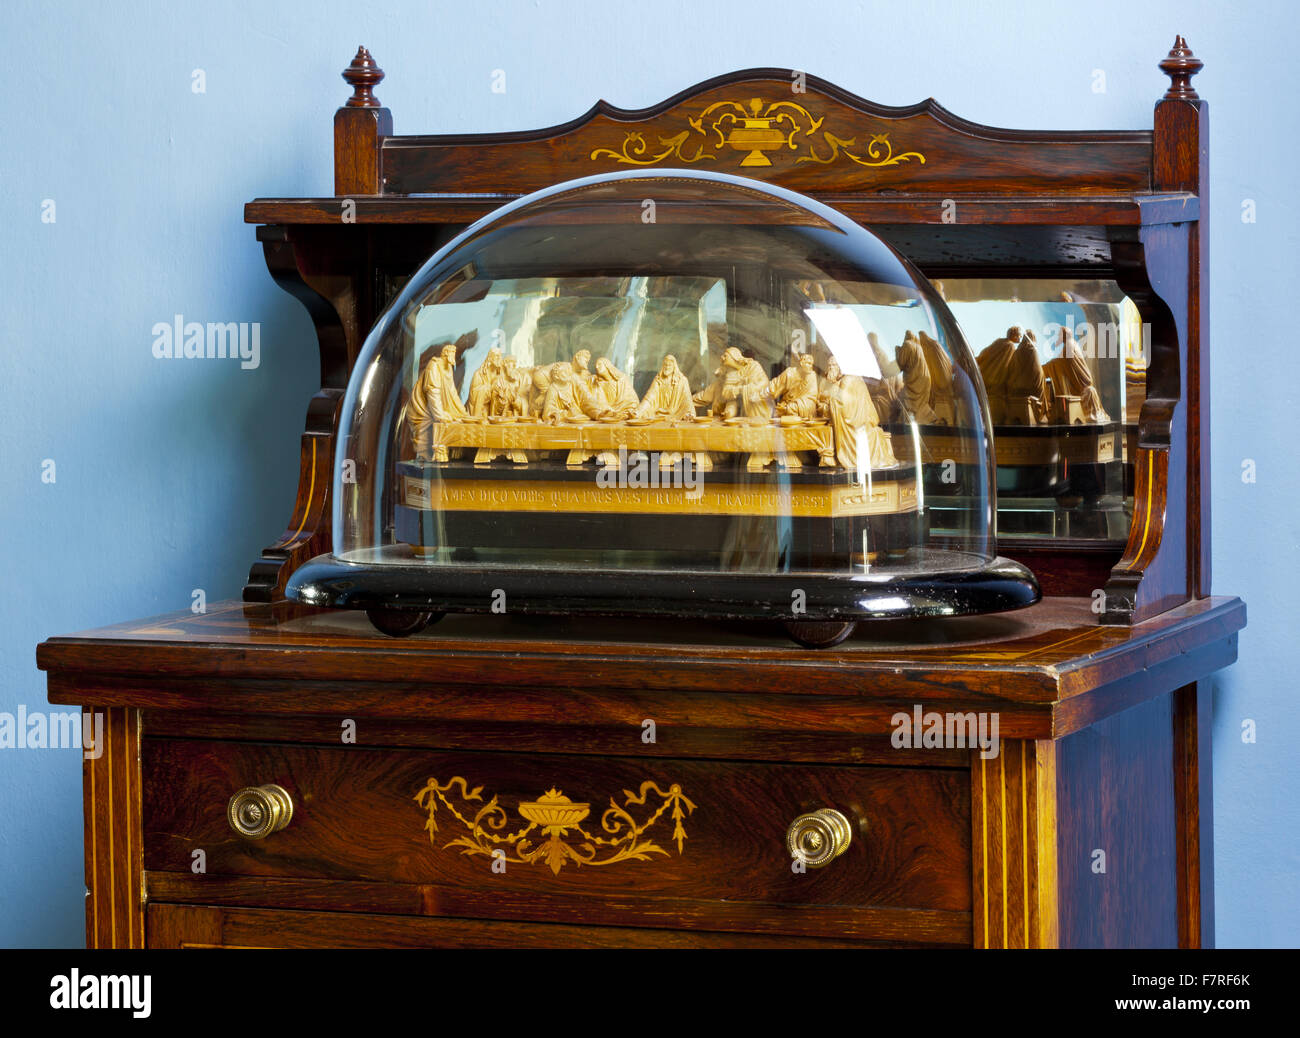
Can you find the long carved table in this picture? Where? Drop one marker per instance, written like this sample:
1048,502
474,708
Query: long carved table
764,442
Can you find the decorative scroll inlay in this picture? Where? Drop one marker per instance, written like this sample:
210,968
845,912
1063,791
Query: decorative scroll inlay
879,152
557,820
633,152
755,128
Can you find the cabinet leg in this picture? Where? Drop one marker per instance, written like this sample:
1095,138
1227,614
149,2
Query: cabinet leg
114,846
1194,807
1013,846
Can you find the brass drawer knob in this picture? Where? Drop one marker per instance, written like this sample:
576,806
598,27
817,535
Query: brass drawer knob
259,811
819,838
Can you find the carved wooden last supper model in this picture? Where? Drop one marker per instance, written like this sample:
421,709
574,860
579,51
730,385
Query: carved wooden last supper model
766,351
642,393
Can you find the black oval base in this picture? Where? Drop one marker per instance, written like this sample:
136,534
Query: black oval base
819,634
801,598
400,623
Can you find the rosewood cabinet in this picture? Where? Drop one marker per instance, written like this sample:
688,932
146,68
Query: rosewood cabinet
674,775
280,776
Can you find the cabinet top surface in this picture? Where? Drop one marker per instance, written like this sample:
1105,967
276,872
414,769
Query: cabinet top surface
1043,653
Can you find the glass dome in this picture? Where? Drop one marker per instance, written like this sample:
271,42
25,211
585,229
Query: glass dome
665,393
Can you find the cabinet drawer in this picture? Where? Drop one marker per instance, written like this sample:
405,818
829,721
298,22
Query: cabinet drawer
202,926
624,840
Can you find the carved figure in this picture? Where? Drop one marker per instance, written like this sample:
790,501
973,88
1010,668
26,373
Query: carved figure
939,365
434,399
916,380
1072,380
614,388
480,386
795,390
846,403
739,386
994,362
668,396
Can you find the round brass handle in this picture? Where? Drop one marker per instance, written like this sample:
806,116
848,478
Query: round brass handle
259,811
819,838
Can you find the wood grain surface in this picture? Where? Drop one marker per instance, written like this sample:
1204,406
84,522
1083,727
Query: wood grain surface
1047,670
356,820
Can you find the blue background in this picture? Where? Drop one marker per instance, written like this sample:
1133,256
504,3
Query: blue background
172,476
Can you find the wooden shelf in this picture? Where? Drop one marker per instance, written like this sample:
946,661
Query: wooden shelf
1010,210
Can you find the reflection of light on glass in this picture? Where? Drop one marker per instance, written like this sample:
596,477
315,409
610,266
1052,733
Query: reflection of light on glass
891,604
916,448
638,292
363,393
528,311
712,311
864,480
846,338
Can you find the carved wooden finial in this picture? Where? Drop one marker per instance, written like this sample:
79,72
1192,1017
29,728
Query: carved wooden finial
363,75
1180,66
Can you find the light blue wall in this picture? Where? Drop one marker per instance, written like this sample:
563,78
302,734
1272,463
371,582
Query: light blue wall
172,475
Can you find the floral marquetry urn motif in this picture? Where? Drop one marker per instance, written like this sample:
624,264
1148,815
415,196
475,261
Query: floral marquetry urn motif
557,818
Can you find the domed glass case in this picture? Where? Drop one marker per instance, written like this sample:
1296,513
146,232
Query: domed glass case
640,394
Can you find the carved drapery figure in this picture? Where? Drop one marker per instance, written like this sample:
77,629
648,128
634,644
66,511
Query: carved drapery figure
721,397
561,402
543,374
1072,378
569,399
581,371
795,390
541,382
480,386
916,380
1013,379
614,389
994,362
939,365
669,395
434,399
739,386
884,395
1025,391
510,390
754,399
859,441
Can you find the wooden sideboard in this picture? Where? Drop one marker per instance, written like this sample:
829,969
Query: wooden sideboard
653,770
516,780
